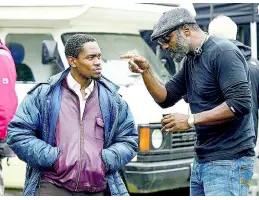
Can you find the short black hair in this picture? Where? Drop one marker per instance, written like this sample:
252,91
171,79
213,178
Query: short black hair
75,43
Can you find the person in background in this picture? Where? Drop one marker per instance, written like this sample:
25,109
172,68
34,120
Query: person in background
24,72
8,103
214,76
230,32
75,132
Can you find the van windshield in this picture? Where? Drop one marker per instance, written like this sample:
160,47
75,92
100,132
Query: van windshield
113,45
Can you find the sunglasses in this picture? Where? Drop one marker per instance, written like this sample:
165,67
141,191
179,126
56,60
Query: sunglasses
164,39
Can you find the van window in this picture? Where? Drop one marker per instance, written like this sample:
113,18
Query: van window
113,45
26,51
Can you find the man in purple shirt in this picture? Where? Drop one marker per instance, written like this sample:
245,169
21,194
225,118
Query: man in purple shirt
75,132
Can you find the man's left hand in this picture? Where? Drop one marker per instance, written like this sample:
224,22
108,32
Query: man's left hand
175,122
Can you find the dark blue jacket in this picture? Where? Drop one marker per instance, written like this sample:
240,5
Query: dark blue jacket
31,133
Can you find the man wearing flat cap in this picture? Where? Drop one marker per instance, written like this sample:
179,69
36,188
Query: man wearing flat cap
214,80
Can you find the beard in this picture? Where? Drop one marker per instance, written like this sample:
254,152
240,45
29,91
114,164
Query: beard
96,78
180,50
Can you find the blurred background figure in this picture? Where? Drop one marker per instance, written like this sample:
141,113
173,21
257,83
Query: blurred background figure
223,26
8,103
24,72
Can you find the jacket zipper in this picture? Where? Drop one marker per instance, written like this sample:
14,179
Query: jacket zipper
80,146
47,119
80,160
81,137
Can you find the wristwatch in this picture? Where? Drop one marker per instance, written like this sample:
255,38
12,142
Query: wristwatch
191,121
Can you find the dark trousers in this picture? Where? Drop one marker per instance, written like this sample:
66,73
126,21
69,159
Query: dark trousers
49,189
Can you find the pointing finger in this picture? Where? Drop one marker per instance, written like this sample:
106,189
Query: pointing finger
127,56
134,67
134,57
139,59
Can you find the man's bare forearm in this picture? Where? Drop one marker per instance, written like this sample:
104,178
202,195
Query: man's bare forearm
155,88
217,115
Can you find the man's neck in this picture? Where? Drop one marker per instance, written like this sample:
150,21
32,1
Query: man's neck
198,39
84,82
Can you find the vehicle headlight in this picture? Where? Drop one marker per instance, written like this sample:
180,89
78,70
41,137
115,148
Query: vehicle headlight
157,138
135,159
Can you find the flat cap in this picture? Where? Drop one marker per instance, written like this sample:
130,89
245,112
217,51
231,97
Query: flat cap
171,20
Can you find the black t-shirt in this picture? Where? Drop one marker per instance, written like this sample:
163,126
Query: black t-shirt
219,74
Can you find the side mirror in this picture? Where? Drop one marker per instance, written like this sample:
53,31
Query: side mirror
49,51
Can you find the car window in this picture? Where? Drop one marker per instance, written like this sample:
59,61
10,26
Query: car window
26,50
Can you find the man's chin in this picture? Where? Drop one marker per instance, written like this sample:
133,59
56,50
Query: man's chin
97,77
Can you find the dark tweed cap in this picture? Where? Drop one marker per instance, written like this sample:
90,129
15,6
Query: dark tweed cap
171,20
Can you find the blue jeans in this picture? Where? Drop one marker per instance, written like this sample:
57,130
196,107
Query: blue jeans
222,177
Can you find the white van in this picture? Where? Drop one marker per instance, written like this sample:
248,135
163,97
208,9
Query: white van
36,36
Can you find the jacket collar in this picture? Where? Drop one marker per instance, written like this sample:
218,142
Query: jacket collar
58,78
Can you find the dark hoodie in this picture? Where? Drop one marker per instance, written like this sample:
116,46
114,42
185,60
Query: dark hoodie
254,76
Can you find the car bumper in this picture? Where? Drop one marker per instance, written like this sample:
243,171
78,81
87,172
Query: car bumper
157,176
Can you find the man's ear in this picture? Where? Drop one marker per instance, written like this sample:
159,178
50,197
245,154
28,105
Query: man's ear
71,61
186,30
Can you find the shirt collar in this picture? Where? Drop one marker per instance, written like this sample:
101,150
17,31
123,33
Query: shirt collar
74,85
